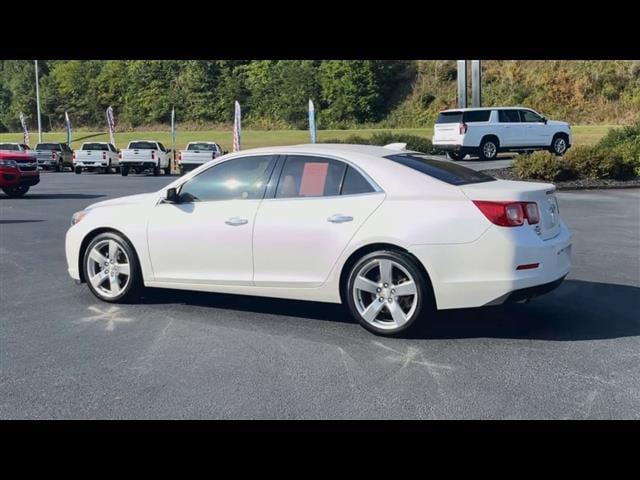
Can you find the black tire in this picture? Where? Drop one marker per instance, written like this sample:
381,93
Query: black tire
182,171
559,144
78,170
485,149
16,192
117,169
423,298
156,171
456,156
167,171
58,168
124,171
135,283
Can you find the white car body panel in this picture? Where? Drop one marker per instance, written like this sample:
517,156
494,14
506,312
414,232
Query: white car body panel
133,156
516,135
288,249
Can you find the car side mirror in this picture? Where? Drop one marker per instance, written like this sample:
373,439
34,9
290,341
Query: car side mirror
544,120
224,152
172,196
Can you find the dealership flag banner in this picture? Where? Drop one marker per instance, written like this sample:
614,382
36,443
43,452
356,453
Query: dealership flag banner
312,122
236,128
173,132
66,117
112,125
25,131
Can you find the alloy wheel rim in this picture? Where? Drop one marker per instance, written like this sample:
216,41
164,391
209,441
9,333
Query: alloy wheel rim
489,150
385,294
108,268
560,146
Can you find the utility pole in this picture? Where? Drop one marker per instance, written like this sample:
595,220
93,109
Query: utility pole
476,84
462,84
38,104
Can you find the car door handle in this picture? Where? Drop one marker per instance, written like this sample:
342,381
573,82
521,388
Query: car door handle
337,218
235,221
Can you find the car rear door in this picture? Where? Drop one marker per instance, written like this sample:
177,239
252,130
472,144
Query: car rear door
308,218
509,128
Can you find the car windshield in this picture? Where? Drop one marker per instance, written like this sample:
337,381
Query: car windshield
48,146
9,146
95,146
143,146
443,170
202,146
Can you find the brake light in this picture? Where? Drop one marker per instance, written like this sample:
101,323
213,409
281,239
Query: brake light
120,155
213,154
104,155
53,155
153,154
463,128
528,266
74,155
179,155
509,214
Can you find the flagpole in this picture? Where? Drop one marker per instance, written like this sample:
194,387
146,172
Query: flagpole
173,134
38,103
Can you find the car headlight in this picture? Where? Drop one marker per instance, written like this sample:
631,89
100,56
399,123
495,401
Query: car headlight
8,163
76,217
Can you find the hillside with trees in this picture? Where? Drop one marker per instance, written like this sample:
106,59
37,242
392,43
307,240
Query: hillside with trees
274,94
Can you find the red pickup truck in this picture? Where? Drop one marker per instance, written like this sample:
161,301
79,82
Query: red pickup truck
18,172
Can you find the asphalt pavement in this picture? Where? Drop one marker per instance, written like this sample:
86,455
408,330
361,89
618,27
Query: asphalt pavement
573,353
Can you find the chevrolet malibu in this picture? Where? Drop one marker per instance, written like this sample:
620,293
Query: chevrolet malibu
392,234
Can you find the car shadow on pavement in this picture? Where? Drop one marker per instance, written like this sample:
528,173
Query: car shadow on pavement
60,196
7,222
577,310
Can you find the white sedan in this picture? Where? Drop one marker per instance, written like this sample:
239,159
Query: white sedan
391,233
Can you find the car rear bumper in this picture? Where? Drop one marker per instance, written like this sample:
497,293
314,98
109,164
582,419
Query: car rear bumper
484,272
449,147
91,164
138,164
187,167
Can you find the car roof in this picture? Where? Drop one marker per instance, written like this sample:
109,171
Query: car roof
483,108
327,148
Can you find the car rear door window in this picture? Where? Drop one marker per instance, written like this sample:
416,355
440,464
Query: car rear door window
241,178
509,116
443,170
354,183
476,116
308,176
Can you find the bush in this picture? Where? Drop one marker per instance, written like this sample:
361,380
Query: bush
414,142
617,136
542,165
596,162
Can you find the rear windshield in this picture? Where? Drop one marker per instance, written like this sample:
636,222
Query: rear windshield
208,147
9,146
449,117
143,146
95,146
443,170
48,146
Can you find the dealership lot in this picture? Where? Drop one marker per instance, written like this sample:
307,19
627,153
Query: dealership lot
574,353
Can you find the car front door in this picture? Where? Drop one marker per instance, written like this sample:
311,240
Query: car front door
510,128
206,238
535,130
308,219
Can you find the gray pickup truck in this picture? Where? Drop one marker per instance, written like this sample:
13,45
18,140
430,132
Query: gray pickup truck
54,156
196,154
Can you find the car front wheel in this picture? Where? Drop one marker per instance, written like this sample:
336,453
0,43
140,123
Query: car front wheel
16,192
559,145
386,292
111,268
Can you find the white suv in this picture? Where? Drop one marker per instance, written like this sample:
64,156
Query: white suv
487,131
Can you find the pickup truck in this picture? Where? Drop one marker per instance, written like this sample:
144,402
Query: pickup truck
141,155
54,156
14,147
92,156
196,154
18,173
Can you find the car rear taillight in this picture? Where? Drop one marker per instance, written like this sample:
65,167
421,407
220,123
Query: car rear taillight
213,154
119,155
104,155
153,154
53,155
74,155
509,214
179,155
463,128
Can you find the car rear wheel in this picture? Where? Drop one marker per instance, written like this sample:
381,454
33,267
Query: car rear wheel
167,171
488,149
124,171
456,156
111,268
386,292
156,171
58,167
16,192
78,170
